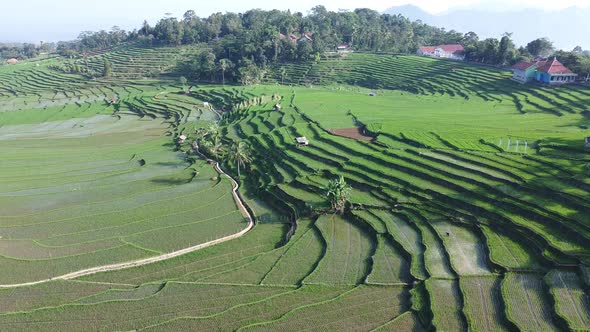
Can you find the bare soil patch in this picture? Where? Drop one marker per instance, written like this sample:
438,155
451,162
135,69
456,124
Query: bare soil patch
354,133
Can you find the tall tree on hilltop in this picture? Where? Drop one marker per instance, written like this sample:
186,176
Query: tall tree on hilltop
505,49
470,38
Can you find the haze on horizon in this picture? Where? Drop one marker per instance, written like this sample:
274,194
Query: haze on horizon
61,20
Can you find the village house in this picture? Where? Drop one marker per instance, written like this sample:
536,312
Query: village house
294,39
343,48
544,71
453,52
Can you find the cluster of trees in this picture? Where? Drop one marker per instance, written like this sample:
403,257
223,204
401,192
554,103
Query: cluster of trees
577,61
239,47
209,142
94,40
503,52
24,51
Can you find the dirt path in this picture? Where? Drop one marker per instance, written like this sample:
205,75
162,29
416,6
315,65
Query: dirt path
145,261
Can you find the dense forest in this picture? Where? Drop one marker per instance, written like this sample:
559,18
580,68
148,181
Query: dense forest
238,47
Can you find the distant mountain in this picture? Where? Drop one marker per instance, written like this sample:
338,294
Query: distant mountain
565,28
412,12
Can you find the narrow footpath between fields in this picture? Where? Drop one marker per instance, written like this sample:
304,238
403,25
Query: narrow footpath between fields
145,261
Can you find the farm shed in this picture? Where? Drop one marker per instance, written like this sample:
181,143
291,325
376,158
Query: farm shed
181,138
302,141
277,107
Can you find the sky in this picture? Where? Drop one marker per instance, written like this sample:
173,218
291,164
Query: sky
50,21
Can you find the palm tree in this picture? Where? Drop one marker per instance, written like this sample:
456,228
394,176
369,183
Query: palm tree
201,133
283,74
215,147
224,65
213,130
338,193
240,153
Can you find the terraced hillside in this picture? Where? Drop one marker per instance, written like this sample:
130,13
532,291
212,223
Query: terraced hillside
136,61
446,229
483,226
427,76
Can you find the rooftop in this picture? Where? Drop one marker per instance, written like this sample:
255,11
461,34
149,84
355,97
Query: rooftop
449,48
553,67
523,65
302,140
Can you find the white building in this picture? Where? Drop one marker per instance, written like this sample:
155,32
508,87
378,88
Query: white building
454,52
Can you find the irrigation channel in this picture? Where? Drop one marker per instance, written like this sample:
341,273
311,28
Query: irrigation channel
145,261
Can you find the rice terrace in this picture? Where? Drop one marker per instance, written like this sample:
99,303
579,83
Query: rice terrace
149,186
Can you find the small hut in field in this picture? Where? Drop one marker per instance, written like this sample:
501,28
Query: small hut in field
302,141
277,107
182,139
12,61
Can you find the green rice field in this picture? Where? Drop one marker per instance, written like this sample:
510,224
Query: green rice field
468,211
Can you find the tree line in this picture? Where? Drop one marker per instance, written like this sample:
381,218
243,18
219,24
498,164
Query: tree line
503,52
239,47
22,51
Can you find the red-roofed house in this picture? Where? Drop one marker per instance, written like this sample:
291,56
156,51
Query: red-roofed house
292,38
524,72
545,71
554,72
455,52
12,61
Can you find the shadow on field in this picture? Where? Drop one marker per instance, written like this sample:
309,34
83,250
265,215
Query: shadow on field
170,164
566,149
171,182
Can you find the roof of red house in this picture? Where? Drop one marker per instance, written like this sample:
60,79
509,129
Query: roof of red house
427,49
11,61
553,67
453,48
523,65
